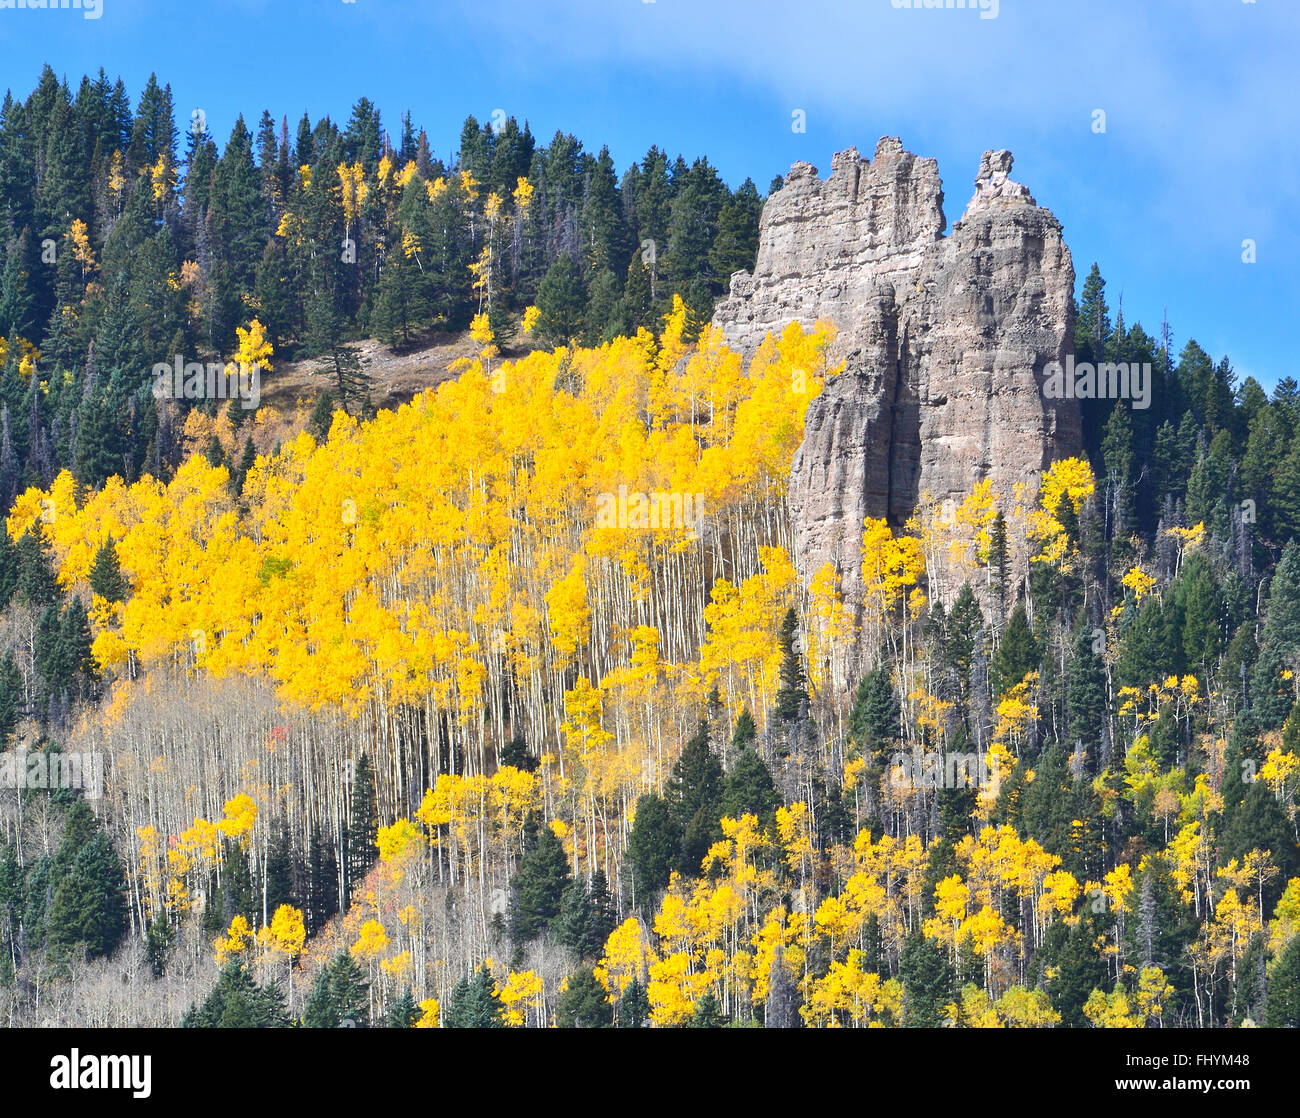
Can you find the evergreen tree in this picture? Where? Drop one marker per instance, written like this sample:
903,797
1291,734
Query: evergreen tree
875,718
8,568
106,578
927,982
158,942
363,824
403,1013
474,1004
707,1013
340,996
694,797
1283,1005
237,1002
1017,654
88,908
322,417
36,582
749,788
652,847
744,732
1076,969
584,1004
560,302
1000,565
538,886
74,645
1085,693
12,697
792,696
633,1006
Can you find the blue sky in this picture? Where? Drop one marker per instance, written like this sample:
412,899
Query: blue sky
1199,151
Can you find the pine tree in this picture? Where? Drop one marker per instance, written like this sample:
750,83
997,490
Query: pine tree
1283,1005
36,582
474,1003
158,942
1085,693
363,824
11,697
749,787
653,847
744,732
322,417
1076,969
874,719
694,797
1000,566
237,1002
538,886
574,919
584,1003
8,569
106,578
560,302
339,997
1017,654
927,982
403,1013
633,1006
322,888
352,384
88,908
792,696
74,645
707,1013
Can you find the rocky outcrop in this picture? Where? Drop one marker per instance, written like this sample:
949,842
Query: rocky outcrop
944,339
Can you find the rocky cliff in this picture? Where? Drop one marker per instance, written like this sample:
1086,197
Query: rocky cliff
944,339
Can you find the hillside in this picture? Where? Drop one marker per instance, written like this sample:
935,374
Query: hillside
734,631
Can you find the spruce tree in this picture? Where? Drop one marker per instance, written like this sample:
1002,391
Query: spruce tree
694,797
340,996
792,696
749,788
707,1013
633,1006
403,1013
874,720
744,732
1085,693
652,847
474,1003
1017,654
538,885
11,697
927,982
363,824
560,302
1283,1003
37,585
584,1004
106,578
237,1002
88,908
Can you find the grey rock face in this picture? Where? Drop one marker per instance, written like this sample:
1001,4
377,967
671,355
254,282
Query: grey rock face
944,340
